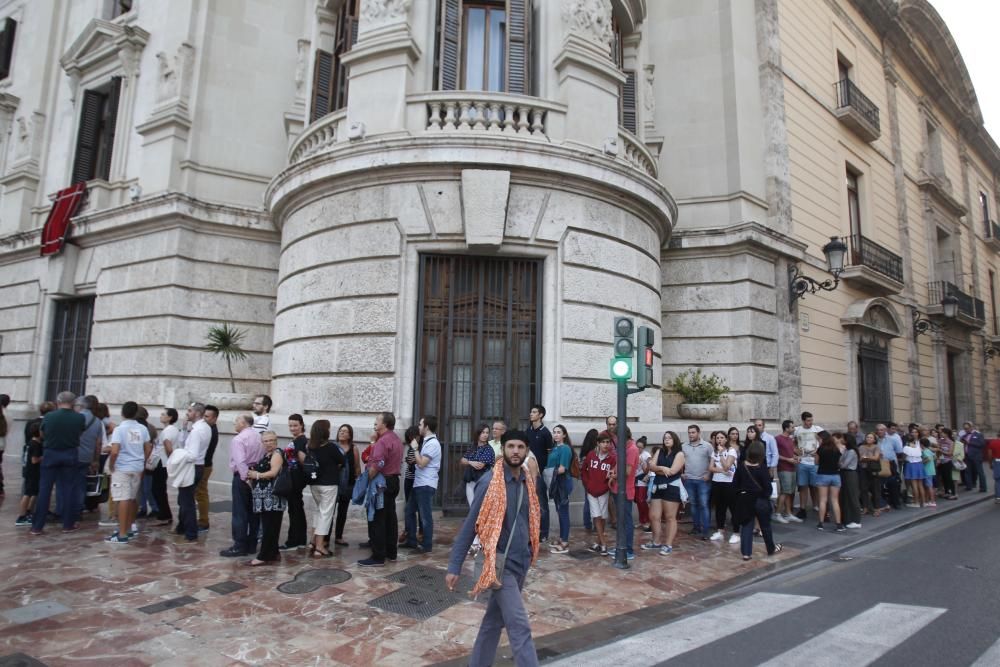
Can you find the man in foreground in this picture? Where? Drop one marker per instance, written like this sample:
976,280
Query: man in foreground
506,506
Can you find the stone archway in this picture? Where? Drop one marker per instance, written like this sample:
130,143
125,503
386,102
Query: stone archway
871,324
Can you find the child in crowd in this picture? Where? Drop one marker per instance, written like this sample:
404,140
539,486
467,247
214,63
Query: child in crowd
596,469
930,472
31,473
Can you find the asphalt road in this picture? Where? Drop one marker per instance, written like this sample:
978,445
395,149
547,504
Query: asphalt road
929,595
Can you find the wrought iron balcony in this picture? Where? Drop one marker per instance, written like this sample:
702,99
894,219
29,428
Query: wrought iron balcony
992,233
971,311
856,111
872,265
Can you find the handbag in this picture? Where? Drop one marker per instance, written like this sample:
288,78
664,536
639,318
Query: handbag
97,487
310,468
480,561
958,465
885,469
282,485
873,467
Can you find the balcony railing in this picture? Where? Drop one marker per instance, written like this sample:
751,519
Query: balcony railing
635,152
865,252
464,111
319,136
993,233
968,305
849,95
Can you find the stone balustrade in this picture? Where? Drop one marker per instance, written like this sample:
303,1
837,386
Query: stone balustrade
318,136
497,113
635,153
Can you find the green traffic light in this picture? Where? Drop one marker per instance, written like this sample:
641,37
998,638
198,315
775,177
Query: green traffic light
621,369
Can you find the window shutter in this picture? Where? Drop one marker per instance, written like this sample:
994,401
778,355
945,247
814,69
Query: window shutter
7,46
518,23
87,136
450,41
347,37
322,82
628,102
110,121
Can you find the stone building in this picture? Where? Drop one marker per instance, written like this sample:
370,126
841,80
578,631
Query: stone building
438,205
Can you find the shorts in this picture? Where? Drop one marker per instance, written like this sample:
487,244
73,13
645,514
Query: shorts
598,506
671,494
929,482
806,474
827,480
787,482
30,484
125,485
914,471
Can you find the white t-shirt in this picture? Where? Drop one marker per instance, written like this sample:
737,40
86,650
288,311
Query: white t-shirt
130,436
262,423
428,475
717,462
644,457
170,433
197,441
913,454
808,443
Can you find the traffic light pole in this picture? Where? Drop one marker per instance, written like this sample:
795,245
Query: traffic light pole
621,555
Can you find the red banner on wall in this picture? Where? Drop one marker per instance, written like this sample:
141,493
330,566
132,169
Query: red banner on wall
65,207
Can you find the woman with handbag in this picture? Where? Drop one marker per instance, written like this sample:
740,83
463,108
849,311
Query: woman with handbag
475,463
752,483
946,464
266,503
560,484
321,464
870,465
850,494
348,475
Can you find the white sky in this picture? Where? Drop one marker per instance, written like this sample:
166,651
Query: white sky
973,24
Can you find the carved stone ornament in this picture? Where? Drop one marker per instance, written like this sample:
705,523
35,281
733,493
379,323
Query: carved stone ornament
301,66
648,100
591,19
378,12
174,74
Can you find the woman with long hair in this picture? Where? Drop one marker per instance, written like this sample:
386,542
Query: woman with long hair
147,502
870,464
327,460
560,484
828,479
733,440
753,435
410,435
475,463
945,466
666,464
723,467
348,475
752,483
850,497
589,445
165,441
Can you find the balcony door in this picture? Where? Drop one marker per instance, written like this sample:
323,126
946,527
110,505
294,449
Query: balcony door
478,353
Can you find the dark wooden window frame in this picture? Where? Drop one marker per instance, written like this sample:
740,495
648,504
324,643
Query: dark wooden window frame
7,38
450,57
487,6
96,131
874,380
853,185
330,74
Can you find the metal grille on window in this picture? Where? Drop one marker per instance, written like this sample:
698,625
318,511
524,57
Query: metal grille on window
70,347
479,353
875,383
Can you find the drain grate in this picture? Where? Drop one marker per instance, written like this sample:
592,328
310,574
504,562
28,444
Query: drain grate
226,587
582,554
415,602
307,581
423,576
20,660
172,603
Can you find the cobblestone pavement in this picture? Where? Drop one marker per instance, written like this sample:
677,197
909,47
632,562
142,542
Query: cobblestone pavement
71,599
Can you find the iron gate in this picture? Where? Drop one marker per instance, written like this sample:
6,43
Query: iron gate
70,347
479,351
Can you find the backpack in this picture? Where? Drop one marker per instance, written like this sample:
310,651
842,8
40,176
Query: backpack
574,466
310,468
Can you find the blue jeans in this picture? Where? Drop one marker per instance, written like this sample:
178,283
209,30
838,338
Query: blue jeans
146,498
59,468
188,513
563,510
996,479
76,499
543,501
587,521
698,492
244,521
420,502
974,472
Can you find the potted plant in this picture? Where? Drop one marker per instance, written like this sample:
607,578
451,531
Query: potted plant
227,342
701,394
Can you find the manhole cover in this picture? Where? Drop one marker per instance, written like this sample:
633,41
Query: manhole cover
309,580
415,602
172,603
19,660
432,579
226,587
582,554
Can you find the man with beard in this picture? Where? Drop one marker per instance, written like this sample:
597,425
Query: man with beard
505,505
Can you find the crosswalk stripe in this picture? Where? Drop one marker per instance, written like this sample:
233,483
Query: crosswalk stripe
654,646
989,659
854,643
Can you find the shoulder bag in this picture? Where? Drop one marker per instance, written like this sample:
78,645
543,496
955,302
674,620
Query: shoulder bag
282,486
310,468
501,562
885,468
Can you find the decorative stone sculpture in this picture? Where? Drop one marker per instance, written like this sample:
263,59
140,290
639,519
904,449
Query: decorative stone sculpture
648,100
591,19
378,12
174,78
301,66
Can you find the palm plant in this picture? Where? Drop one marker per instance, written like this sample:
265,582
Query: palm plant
226,340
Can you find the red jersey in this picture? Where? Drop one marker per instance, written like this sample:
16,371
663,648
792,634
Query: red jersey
632,463
993,447
595,472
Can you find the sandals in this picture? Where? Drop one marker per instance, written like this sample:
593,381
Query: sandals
318,553
777,549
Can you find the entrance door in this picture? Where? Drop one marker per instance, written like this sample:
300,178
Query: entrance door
70,347
479,351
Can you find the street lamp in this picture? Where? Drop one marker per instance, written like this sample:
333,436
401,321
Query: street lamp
799,285
949,307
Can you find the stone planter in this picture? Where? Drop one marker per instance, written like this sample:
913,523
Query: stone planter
227,401
705,411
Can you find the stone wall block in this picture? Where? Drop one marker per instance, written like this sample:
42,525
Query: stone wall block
484,206
342,244
597,252
326,282
600,288
336,318
407,207
523,207
718,297
709,351
444,202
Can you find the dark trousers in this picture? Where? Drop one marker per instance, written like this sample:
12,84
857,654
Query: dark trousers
761,510
944,471
890,486
186,508
159,489
543,500
59,468
505,609
271,523
870,487
79,490
343,502
246,523
850,497
383,529
724,498
420,502
407,492
974,472
296,518
588,523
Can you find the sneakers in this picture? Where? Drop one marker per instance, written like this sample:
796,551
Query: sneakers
793,518
840,528
649,546
289,547
232,552
717,536
819,526
932,504
666,550
913,505
854,524
371,562
23,520
604,551
559,549
780,518
801,515
116,539
734,539
595,547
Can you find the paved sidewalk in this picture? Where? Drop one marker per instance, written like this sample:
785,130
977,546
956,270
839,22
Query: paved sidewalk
73,599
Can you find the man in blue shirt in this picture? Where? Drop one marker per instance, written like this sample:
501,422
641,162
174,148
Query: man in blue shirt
539,441
891,446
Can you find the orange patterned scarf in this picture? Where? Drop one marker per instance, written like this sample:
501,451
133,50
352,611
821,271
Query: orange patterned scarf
489,524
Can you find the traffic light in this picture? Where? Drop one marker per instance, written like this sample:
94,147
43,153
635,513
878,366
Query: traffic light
624,348
644,367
